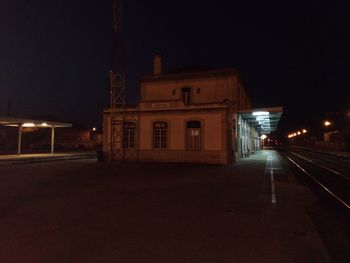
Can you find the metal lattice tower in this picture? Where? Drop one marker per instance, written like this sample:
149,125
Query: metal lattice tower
117,84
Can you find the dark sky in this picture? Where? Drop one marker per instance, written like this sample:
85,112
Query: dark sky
55,55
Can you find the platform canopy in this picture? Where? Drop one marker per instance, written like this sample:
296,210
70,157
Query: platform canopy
23,122
264,120
29,123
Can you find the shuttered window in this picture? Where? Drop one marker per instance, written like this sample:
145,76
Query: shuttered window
193,135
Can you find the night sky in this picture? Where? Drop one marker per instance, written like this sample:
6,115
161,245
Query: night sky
55,55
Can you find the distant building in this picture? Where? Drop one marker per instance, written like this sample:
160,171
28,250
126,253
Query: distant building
188,115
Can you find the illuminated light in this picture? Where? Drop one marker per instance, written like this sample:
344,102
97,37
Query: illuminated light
263,118
327,123
263,137
94,129
298,132
28,125
304,131
260,113
44,124
294,134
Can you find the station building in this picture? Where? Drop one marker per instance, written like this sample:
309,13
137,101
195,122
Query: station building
195,115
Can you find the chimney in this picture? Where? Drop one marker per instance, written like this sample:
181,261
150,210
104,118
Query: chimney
157,65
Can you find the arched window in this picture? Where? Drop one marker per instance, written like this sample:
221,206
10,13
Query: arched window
193,135
160,135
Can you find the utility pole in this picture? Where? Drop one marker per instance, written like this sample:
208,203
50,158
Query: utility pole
117,84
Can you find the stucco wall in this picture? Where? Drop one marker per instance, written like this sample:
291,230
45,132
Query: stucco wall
211,130
214,96
213,136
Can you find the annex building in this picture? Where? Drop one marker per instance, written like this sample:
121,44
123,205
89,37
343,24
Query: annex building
194,115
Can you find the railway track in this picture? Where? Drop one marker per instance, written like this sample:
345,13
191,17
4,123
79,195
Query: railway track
329,173
328,176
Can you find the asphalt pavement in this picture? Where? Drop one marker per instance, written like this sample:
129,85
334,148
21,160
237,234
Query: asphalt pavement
84,211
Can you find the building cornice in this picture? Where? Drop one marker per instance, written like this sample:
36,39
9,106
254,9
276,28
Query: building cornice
190,75
185,109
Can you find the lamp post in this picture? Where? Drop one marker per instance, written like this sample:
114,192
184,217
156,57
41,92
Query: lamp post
19,142
52,139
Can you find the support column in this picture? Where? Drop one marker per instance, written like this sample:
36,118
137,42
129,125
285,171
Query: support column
52,139
19,139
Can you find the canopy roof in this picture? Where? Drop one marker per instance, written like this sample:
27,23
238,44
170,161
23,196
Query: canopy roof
264,120
16,122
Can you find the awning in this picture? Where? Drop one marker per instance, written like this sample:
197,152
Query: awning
29,123
17,122
264,120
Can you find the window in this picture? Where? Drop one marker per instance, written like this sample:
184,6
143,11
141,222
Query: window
193,135
129,135
186,95
160,135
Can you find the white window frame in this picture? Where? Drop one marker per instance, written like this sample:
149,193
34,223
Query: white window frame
129,135
160,135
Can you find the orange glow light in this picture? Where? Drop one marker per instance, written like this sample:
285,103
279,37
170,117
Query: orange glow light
327,123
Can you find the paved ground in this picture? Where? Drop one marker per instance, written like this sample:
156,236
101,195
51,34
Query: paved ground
83,211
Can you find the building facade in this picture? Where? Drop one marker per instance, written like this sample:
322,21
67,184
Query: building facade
187,115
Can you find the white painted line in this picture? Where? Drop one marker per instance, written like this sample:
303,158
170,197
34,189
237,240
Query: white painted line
273,191
324,167
324,187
